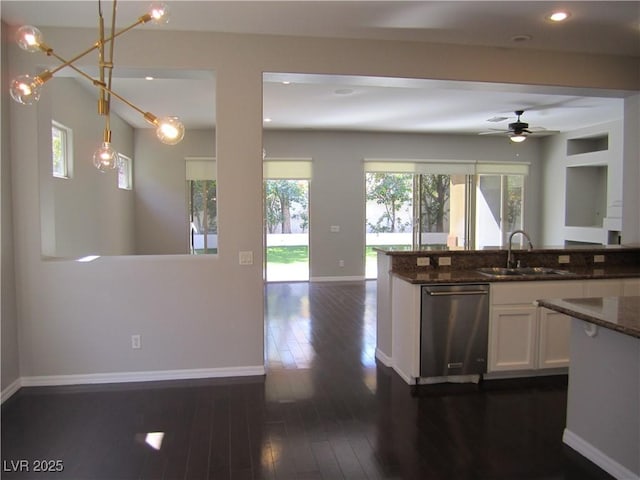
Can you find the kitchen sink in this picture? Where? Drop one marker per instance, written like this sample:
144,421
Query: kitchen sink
522,271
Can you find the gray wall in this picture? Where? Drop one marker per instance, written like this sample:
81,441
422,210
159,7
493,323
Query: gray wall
91,215
336,193
9,316
160,190
205,315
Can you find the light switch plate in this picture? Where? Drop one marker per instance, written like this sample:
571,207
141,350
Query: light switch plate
334,228
246,258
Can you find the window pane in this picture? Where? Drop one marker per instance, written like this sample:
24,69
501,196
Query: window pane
204,216
124,173
389,214
515,194
59,149
442,210
286,203
499,203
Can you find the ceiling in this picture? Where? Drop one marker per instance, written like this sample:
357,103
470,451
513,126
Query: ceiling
367,103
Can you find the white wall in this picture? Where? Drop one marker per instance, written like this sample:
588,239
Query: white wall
205,314
556,162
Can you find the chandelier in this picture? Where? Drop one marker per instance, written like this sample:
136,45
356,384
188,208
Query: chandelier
26,89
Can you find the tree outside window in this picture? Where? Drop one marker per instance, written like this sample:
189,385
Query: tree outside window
61,150
286,200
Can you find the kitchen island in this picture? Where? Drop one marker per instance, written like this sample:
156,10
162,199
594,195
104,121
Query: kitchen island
524,340
603,402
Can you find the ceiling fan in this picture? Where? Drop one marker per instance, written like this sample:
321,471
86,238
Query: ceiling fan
518,131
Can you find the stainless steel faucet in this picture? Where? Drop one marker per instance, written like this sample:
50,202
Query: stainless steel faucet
524,234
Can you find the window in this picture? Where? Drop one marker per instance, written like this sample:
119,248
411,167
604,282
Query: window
203,205
499,205
125,179
433,204
61,150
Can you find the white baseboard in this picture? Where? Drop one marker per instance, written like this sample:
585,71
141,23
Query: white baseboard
150,376
590,452
385,359
356,278
8,392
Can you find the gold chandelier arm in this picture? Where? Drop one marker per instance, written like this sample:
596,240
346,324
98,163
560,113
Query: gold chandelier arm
112,43
47,75
49,51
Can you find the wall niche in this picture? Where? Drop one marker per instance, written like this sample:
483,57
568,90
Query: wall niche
596,143
586,201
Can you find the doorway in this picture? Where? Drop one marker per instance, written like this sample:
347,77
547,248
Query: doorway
286,224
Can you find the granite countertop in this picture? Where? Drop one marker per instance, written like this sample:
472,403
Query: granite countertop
616,313
473,276
408,250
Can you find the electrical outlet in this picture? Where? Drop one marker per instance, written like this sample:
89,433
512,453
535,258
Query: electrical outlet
341,263
423,261
598,259
334,228
136,342
444,261
564,259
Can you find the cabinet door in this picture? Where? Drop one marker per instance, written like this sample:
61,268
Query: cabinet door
632,287
512,338
553,340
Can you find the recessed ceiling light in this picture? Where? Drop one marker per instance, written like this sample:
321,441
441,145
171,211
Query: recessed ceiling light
148,77
286,82
267,120
343,91
559,16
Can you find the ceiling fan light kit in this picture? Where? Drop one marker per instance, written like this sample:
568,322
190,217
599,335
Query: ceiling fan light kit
517,131
26,89
518,137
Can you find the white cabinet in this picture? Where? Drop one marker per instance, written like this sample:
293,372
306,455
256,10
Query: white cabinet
523,336
512,338
554,331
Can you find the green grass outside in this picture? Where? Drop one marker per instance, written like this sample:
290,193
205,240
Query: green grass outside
288,255
300,253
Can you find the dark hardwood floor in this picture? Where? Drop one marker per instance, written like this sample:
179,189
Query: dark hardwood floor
325,410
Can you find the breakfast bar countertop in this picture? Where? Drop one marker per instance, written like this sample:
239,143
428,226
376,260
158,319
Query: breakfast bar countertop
621,314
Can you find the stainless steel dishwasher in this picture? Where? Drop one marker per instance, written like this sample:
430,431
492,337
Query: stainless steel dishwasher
454,329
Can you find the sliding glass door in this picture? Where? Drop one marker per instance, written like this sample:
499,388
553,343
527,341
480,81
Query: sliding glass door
438,205
441,211
499,209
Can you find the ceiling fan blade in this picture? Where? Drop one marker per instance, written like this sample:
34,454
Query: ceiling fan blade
494,132
542,130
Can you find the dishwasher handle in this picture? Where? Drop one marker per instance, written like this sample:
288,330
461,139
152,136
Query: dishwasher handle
444,293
